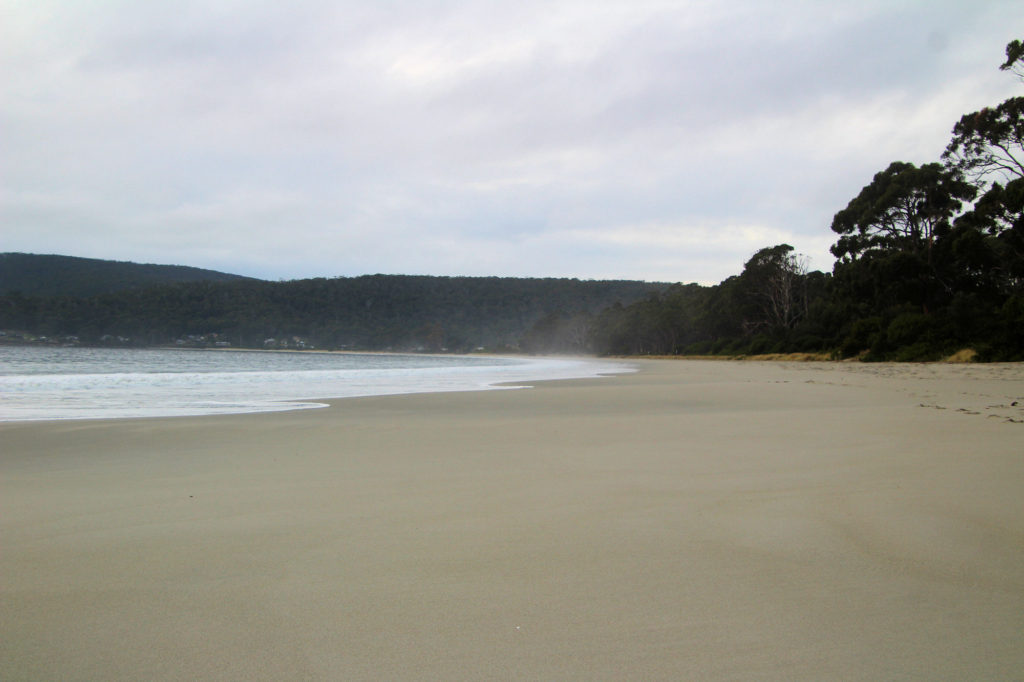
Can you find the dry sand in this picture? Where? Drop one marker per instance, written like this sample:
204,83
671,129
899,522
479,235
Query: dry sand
696,520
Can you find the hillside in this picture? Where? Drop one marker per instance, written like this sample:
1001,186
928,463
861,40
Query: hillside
52,275
372,312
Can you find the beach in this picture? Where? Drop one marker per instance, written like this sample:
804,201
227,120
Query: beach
694,520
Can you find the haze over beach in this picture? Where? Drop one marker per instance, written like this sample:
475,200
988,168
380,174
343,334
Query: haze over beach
660,141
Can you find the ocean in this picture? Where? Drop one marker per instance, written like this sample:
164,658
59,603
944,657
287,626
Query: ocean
44,383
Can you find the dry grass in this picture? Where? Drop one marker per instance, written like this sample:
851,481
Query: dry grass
768,357
790,357
963,355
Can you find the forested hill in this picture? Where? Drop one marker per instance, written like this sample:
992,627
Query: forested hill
373,312
51,275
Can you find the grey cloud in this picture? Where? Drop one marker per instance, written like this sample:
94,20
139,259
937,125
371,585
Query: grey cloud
563,138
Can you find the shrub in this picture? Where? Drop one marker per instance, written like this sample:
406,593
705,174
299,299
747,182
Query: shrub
908,329
865,333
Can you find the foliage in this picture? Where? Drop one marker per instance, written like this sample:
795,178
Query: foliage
773,286
1014,58
997,224
904,209
375,312
989,142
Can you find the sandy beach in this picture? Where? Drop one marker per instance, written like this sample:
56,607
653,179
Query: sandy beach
695,520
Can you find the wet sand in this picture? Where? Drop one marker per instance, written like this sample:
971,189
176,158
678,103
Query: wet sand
696,520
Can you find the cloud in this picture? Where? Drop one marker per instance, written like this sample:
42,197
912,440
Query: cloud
654,139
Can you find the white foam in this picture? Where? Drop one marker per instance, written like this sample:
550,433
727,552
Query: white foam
46,396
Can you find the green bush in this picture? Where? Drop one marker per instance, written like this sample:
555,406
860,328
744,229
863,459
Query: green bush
864,334
759,345
908,329
917,352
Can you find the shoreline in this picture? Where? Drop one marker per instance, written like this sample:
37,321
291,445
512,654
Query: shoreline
689,520
147,390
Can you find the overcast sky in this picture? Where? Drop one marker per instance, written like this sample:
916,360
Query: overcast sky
643,139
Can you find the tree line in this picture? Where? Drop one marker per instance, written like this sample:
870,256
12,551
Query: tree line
929,261
372,312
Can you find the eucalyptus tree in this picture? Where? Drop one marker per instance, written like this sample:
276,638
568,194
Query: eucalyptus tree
988,145
886,251
991,237
904,209
773,286
1014,58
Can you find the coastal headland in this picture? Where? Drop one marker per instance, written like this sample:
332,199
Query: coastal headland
694,520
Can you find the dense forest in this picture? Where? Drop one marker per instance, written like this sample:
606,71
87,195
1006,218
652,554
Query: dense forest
929,262
373,312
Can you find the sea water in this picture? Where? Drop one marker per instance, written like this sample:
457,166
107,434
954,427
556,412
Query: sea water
39,383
